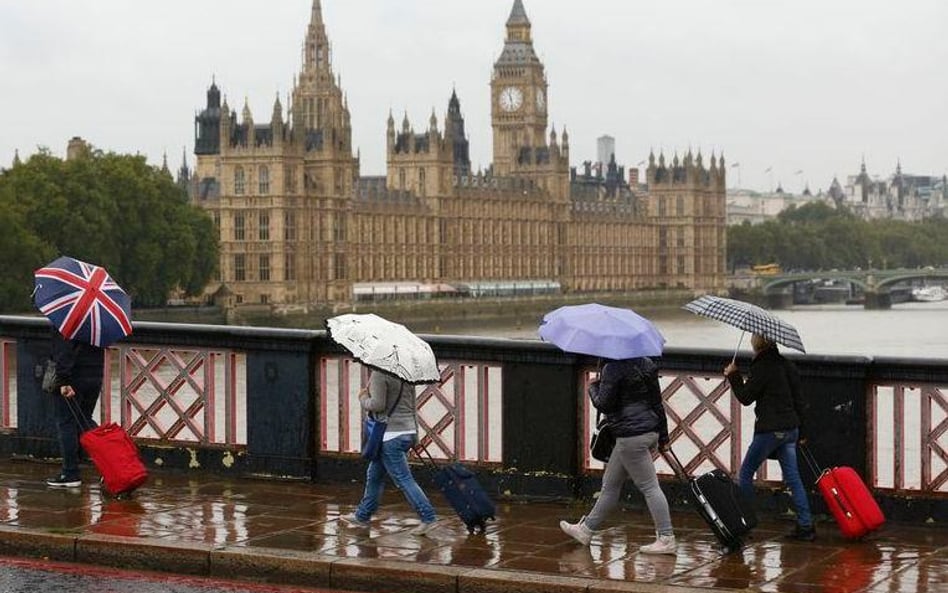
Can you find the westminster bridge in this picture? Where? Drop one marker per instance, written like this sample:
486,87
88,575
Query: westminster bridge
876,287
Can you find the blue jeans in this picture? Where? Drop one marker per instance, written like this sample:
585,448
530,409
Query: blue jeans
394,462
784,442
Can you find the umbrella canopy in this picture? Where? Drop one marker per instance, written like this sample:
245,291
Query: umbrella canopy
747,317
598,330
82,301
385,345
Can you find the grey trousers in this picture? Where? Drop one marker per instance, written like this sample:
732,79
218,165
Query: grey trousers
632,458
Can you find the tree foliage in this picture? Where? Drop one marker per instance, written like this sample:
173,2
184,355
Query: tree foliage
818,236
104,208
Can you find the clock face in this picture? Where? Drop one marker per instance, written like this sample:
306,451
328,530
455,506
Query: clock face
541,99
511,98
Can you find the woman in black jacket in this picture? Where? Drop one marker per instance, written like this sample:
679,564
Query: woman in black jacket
628,393
773,385
79,370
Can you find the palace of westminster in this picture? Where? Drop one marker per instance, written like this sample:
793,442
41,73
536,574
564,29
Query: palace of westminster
299,225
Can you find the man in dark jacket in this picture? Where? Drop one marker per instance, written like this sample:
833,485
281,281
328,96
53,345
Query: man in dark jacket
773,385
79,369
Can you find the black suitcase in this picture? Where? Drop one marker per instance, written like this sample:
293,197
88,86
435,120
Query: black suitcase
719,502
464,493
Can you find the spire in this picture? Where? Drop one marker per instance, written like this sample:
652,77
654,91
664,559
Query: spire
316,16
518,16
246,113
405,125
433,121
277,110
16,158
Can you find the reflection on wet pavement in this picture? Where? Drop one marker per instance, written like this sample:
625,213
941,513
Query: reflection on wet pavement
304,517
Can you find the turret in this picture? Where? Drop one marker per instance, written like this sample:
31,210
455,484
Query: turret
276,121
248,126
390,132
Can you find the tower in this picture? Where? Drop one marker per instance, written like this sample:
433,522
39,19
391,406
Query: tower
518,95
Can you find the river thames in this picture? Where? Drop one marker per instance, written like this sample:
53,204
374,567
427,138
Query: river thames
911,330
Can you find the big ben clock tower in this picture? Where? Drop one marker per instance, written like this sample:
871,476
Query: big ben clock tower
518,95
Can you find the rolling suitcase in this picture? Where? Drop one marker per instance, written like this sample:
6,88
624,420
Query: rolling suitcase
113,453
719,502
464,493
848,499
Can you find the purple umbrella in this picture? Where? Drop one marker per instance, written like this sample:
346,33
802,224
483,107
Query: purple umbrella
82,301
598,330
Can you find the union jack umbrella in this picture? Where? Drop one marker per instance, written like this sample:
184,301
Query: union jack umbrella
82,301
747,317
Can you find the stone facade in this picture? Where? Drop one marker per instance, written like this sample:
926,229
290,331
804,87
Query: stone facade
299,225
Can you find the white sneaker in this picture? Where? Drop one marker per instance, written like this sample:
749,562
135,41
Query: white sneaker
577,531
351,520
663,544
423,528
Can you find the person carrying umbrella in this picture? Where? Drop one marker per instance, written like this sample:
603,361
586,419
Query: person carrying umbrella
391,395
88,312
79,370
628,393
398,360
773,386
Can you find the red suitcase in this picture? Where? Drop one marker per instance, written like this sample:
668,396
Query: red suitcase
116,457
856,511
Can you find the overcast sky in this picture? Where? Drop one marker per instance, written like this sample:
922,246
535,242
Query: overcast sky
792,85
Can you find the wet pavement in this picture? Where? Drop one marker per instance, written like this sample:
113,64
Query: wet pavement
289,532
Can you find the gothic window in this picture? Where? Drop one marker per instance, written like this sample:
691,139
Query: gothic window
239,227
289,267
339,266
681,264
680,206
240,269
289,179
663,237
421,181
264,226
264,267
289,226
217,221
401,179
264,180
240,181
681,237
661,206
339,229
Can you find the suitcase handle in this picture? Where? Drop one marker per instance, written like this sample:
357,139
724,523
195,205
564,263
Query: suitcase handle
677,466
811,461
77,414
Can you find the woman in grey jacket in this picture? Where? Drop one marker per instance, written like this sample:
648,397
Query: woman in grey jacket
628,393
388,394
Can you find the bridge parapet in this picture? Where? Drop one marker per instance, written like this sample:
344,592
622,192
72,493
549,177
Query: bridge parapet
284,403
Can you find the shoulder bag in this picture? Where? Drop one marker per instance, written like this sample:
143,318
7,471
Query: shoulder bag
603,440
373,429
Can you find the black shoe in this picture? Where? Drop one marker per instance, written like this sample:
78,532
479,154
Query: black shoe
803,534
61,481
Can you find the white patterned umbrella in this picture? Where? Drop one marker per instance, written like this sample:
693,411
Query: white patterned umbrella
747,317
385,345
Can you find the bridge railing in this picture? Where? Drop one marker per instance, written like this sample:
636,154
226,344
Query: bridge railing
284,403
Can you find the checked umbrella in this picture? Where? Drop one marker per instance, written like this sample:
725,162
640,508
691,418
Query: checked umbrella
747,317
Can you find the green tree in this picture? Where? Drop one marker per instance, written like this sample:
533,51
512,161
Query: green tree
116,211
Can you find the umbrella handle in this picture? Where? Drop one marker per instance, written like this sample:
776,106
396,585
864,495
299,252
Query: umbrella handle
734,358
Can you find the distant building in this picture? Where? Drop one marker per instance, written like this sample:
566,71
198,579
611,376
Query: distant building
899,196
605,150
299,224
757,207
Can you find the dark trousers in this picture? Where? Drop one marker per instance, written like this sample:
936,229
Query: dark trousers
73,418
